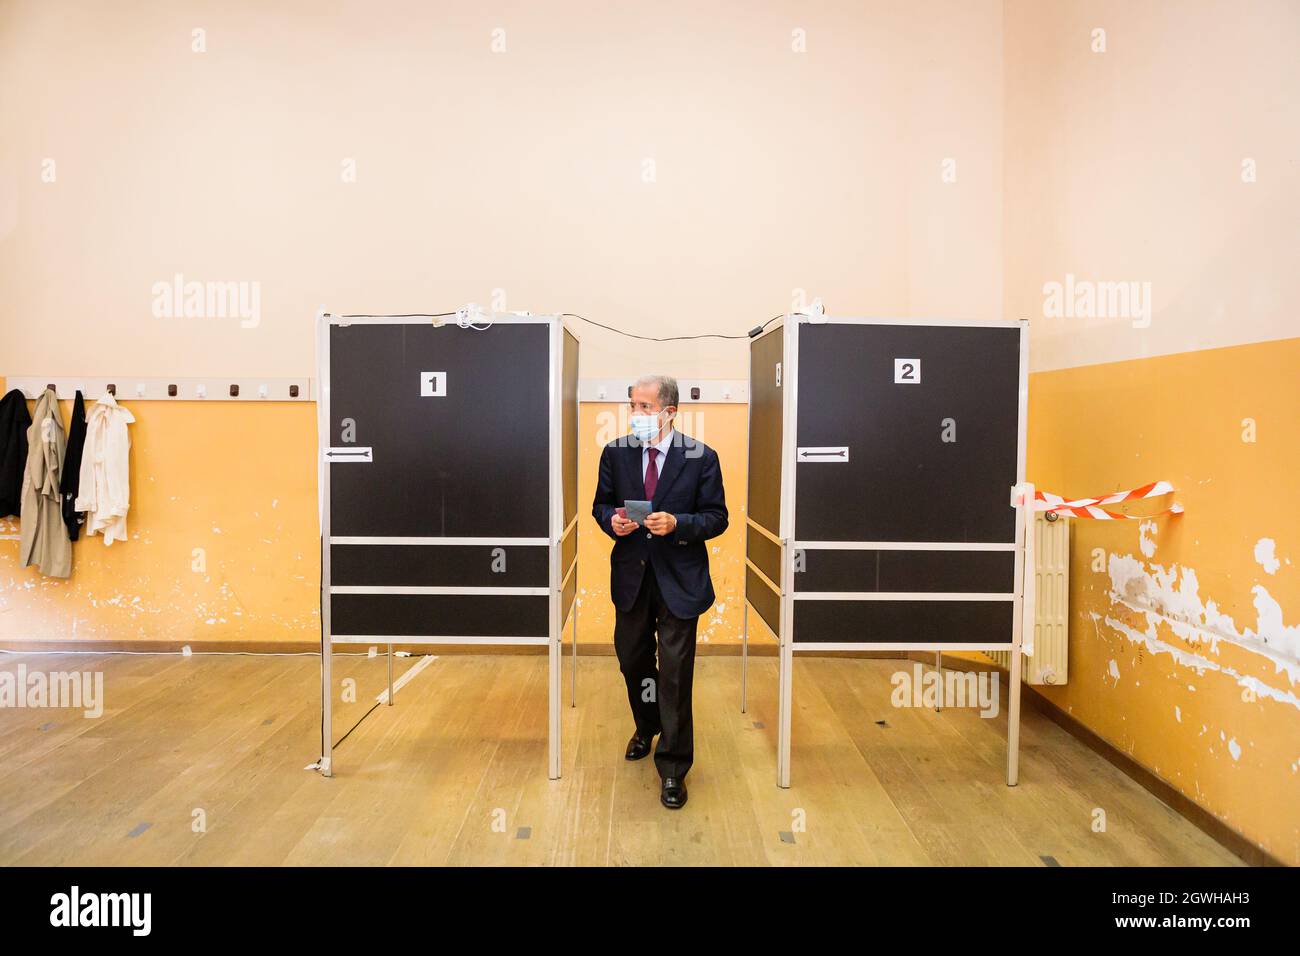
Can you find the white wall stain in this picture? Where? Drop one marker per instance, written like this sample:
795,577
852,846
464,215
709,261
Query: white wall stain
1146,538
1172,595
1166,595
1198,663
1264,555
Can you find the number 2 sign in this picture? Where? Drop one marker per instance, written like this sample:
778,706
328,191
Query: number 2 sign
907,371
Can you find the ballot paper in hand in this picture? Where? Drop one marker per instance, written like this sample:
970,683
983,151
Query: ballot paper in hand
636,511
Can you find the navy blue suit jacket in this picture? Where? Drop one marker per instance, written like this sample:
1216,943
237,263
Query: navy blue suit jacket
690,488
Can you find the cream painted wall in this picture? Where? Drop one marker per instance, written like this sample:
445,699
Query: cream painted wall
519,171
1127,166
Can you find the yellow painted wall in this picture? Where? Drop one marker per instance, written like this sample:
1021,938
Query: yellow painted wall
223,539
1157,672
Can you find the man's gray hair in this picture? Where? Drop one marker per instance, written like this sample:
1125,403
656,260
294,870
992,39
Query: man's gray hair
666,384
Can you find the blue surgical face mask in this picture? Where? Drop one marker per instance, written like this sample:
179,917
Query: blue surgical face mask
645,427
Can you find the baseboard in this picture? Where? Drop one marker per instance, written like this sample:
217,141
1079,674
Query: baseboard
603,649
313,647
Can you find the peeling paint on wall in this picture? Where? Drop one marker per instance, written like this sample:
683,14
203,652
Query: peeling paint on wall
1146,538
1170,596
1265,557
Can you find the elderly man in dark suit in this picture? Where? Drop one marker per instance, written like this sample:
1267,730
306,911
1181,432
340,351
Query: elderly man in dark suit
659,575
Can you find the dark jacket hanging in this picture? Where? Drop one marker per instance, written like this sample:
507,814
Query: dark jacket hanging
14,422
70,482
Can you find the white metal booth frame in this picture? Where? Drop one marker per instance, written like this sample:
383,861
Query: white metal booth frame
560,543
786,540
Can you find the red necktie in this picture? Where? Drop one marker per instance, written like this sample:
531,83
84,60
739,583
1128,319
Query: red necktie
651,474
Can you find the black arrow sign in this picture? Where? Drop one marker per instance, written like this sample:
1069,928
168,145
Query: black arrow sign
824,454
347,454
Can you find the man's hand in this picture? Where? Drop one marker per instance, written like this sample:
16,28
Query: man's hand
660,522
622,526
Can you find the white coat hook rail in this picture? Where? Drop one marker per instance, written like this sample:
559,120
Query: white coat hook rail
127,388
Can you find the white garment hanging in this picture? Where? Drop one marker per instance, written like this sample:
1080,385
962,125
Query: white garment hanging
105,489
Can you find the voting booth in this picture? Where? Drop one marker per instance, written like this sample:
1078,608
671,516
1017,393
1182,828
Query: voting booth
448,478
886,492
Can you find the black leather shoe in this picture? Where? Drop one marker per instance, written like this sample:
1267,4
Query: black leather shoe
673,793
638,747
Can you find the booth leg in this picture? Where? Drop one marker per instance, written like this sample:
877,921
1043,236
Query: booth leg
744,655
573,681
390,675
783,732
1022,496
1013,720
554,663
938,665
326,708
326,764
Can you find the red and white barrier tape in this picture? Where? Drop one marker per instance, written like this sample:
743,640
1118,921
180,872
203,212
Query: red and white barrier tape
1089,507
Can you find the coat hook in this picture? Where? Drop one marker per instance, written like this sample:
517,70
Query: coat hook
293,391
171,391
51,387
234,391
112,389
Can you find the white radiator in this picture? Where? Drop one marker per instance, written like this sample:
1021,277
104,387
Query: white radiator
1050,661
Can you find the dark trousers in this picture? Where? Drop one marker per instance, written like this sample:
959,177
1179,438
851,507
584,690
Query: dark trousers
660,696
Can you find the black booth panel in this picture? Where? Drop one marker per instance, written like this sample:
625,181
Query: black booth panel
446,615
568,550
567,597
569,426
481,566
765,553
765,428
902,622
885,571
902,482
763,600
471,463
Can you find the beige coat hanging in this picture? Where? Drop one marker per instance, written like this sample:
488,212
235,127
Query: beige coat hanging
44,537
105,490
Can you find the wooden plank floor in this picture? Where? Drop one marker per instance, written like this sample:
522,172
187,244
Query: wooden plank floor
455,773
